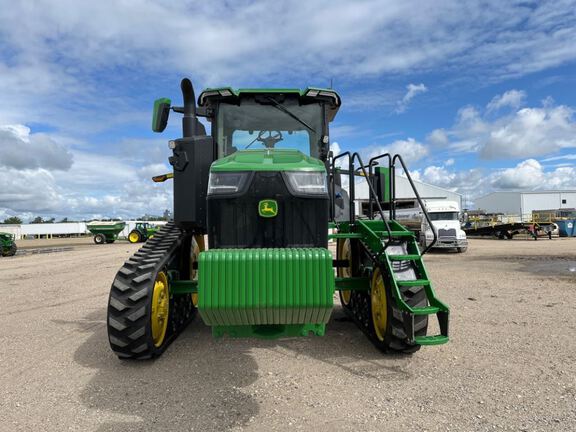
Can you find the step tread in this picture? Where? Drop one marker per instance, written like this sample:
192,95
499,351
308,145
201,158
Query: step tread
431,340
395,233
410,257
415,282
426,310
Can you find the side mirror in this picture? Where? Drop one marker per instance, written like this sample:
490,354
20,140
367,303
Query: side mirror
160,114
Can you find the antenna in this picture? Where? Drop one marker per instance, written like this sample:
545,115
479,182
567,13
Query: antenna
331,79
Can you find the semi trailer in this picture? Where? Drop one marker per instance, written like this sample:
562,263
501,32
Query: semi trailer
445,216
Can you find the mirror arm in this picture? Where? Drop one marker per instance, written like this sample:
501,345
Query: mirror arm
200,111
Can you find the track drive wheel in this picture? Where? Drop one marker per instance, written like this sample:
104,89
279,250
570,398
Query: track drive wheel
344,252
134,237
196,246
138,317
99,239
386,326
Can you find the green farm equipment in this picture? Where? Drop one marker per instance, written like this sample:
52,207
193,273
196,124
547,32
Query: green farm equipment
105,232
265,191
142,232
7,244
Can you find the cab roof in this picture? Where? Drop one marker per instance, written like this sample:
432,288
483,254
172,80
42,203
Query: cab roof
328,96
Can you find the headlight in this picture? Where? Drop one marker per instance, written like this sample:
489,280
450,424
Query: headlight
225,183
306,182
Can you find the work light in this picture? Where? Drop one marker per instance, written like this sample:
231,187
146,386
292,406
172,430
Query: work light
221,183
306,182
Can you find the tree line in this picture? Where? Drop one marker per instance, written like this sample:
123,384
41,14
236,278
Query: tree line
15,220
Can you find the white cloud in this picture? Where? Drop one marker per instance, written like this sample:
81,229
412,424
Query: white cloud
412,91
530,174
438,137
511,98
94,184
526,132
526,175
22,150
563,157
410,150
335,148
471,181
56,53
530,132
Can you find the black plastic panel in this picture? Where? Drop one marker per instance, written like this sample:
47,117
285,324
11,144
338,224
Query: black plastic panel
234,222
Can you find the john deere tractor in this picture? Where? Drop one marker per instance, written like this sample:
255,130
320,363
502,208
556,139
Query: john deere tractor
266,192
7,244
142,232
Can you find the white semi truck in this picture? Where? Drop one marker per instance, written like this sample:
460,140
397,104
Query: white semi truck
445,217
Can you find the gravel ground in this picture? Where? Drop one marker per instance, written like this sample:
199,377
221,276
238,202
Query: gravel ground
510,365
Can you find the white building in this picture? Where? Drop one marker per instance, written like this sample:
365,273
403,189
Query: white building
61,229
524,203
404,191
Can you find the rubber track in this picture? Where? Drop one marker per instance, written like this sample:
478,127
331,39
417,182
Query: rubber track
129,302
360,311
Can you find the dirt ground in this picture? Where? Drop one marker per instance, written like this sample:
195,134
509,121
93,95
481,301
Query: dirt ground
510,365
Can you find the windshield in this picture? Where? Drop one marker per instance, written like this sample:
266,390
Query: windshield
443,216
254,125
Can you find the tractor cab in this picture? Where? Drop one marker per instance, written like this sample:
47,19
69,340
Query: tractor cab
142,232
270,119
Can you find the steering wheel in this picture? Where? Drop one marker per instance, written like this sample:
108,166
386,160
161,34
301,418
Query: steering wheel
269,138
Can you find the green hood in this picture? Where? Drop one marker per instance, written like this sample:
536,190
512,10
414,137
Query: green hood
268,160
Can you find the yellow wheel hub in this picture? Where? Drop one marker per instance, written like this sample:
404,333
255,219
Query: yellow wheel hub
379,304
133,237
344,253
196,247
160,309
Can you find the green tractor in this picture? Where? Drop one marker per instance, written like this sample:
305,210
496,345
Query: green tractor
7,244
265,191
142,232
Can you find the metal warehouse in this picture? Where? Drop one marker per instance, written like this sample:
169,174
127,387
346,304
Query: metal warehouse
404,191
524,203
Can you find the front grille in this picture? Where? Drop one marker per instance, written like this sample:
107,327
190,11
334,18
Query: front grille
446,233
234,222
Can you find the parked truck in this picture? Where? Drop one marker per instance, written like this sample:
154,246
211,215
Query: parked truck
445,217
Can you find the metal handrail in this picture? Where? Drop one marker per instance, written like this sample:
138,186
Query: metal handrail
372,163
352,188
373,194
422,206
332,184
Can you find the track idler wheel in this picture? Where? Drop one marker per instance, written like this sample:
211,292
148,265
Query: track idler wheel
344,252
386,327
196,246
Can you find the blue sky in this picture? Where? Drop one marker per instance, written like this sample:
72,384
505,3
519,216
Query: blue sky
478,96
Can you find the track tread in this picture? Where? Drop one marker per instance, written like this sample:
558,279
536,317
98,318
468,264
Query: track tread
128,320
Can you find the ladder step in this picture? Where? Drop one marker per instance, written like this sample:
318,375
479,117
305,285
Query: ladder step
416,282
395,233
404,257
427,310
431,340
